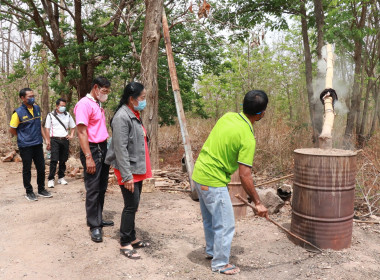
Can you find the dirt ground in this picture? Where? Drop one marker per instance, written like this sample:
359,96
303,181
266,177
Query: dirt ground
48,239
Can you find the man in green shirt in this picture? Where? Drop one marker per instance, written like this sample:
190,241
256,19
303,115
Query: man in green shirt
230,146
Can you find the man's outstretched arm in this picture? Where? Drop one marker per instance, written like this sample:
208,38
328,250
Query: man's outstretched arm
247,183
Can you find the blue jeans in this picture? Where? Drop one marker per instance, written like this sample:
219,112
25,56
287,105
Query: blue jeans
218,223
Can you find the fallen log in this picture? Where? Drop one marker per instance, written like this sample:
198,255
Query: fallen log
366,222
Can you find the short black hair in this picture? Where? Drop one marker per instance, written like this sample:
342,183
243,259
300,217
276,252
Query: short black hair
22,92
59,100
255,101
101,82
134,90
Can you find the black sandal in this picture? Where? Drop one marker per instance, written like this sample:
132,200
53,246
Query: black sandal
129,253
140,244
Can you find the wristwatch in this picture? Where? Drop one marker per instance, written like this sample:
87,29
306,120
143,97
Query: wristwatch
87,155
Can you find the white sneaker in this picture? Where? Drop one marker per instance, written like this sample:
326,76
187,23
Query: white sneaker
51,183
62,181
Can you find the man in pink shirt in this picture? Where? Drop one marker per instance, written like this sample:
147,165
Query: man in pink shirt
92,133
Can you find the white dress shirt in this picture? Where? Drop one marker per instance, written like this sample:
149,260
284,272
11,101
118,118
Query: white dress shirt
56,129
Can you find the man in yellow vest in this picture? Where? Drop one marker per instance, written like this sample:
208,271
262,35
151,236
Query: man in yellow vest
26,126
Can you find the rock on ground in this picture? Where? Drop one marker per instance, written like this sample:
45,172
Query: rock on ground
270,199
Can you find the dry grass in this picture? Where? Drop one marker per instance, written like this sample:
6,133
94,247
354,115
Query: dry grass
368,178
170,136
275,142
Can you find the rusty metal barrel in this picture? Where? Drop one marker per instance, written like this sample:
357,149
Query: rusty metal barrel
323,196
234,188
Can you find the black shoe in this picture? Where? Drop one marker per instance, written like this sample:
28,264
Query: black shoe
96,235
44,193
107,223
31,196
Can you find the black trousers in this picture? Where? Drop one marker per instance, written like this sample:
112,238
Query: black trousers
59,152
96,184
35,154
131,203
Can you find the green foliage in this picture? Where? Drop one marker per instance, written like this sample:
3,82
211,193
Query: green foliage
19,72
342,24
278,71
242,16
196,50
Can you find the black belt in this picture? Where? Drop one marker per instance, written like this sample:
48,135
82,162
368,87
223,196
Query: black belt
101,147
59,138
98,144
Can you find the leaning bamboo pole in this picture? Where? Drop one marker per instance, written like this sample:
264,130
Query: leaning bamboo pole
325,139
189,161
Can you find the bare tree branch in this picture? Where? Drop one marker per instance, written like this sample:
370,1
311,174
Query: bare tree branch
13,14
13,42
9,4
129,32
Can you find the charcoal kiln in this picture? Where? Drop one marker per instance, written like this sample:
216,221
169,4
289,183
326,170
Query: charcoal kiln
324,184
235,187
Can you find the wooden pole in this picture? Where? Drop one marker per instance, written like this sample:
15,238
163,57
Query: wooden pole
189,161
325,139
366,222
281,227
274,180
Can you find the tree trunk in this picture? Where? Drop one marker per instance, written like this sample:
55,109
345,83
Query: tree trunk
319,20
67,95
376,110
149,58
355,97
5,69
317,106
45,86
309,72
86,69
358,119
361,136
289,103
356,94
8,52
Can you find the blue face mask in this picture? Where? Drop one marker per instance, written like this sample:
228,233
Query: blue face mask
62,109
141,106
30,101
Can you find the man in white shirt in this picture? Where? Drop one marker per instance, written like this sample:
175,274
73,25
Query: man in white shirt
58,124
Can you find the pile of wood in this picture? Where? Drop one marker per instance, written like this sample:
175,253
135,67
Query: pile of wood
8,148
172,179
165,180
74,168
9,156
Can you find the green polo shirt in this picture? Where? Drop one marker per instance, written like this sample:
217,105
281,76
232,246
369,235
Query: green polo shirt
230,142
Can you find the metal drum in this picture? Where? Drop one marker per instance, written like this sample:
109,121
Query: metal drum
234,188
323,196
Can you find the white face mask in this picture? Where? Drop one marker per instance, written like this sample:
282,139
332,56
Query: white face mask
102,97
